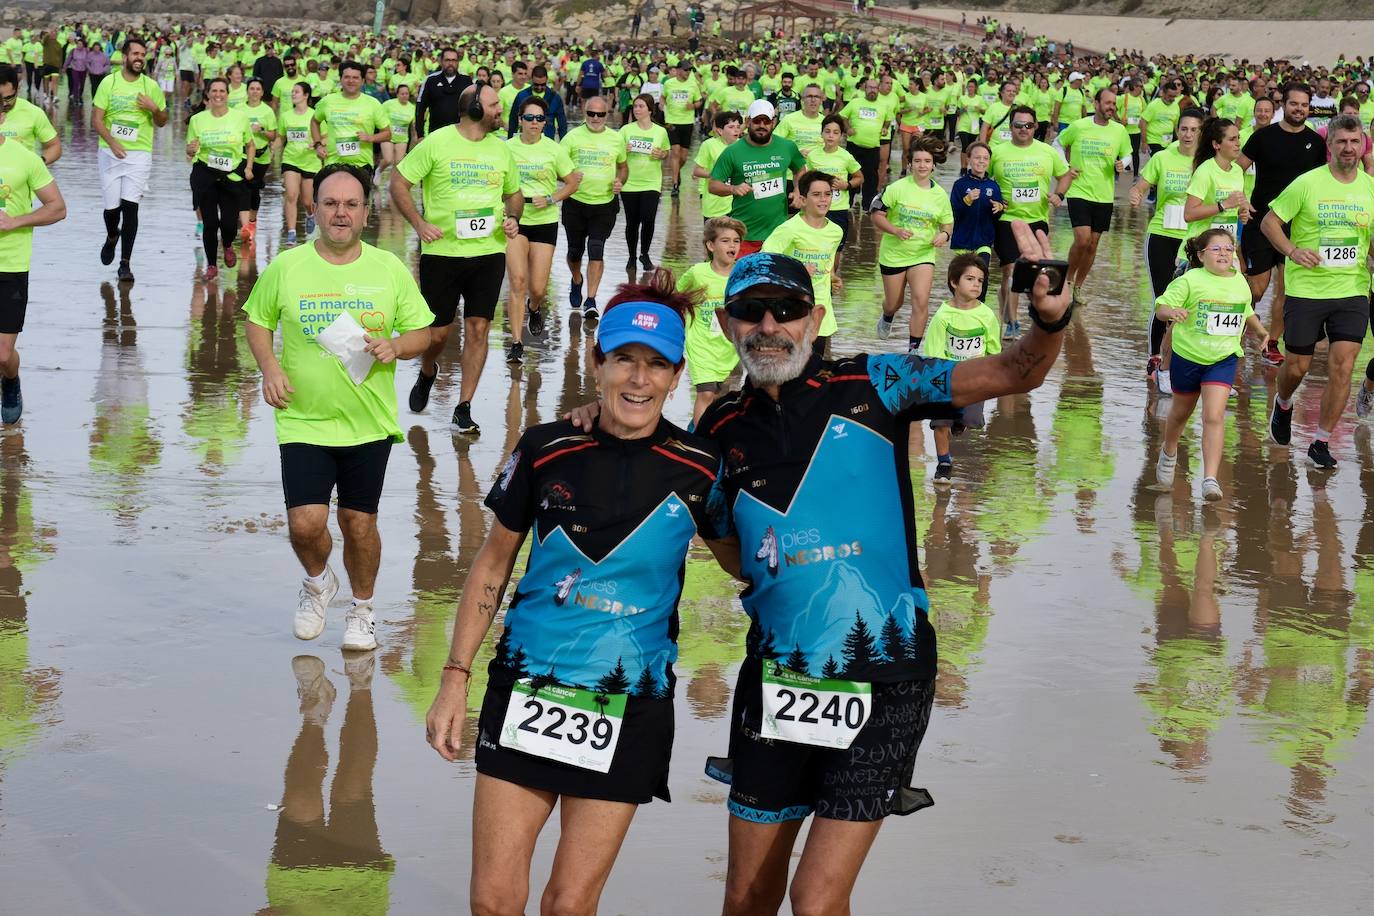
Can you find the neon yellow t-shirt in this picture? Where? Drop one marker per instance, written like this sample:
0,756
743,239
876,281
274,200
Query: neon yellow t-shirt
711,357
923,211
596,156
22,173
815,248
1333,219
304,294
645,172
959,334
223,140
540,164
464,184
130,124
343,119
1217,310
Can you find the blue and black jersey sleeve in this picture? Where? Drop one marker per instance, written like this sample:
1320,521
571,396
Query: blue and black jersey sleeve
512,497
715,523
906,382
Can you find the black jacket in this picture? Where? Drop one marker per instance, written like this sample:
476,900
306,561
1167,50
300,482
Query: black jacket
269,70
439,98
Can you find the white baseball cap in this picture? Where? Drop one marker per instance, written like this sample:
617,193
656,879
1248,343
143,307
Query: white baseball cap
1075,75
761,108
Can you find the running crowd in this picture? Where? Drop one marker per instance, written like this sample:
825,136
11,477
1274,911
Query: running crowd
1256,175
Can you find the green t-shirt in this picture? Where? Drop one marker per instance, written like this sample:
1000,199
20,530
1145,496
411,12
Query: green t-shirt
130,124
596,156
801,130
1211,185
1169,171
971,108
645,173
298,150
711,204
959,334
22,172
1160,120
923,211
223,140
343,119
866,120
1217,309
728,98
541,164
261,119
281,90
1072,104
1333,219
1130,108
815,248
711,357
679,99
998,120
1026,175
765,169
238,96
464,184
305,294
1094,150
401,117
28,124
839,164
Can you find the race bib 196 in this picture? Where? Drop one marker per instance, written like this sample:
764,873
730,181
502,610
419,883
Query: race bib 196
346,148
1025,193
125,132
1339,252
474,224
817,711
222,163
961,348
567,724
769,187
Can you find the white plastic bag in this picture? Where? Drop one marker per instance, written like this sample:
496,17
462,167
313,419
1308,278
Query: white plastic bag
347,340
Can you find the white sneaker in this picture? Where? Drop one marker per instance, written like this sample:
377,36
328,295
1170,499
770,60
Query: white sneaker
360,628
359,670
1364,401
1162,382
1165,468
313,689
311,612
883,328
1211,490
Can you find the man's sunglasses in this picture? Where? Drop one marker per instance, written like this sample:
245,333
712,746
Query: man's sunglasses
596,114
782,310
532,118
1022,125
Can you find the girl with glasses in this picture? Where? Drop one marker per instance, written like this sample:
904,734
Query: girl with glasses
1209,308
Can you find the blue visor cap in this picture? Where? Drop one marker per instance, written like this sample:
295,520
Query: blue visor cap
653,324
766,268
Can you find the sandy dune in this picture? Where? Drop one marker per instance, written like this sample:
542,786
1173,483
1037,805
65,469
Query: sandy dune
1315,41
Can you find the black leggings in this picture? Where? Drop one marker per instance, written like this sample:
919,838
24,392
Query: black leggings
1135,154
641,211
1161,254
219,200
868,163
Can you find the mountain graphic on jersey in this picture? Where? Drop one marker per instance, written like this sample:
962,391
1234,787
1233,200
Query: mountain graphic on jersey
608,625
840,600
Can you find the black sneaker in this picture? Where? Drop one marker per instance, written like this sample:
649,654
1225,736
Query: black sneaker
1319,453
630,265
515,353
646,262
108,249
589,312
124,273
1281,424
574,294
944,472
462,419
419,392
11,400
675,192
536,322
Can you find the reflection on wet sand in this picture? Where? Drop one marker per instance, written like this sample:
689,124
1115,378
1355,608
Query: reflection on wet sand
124,439
330,861
27,694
